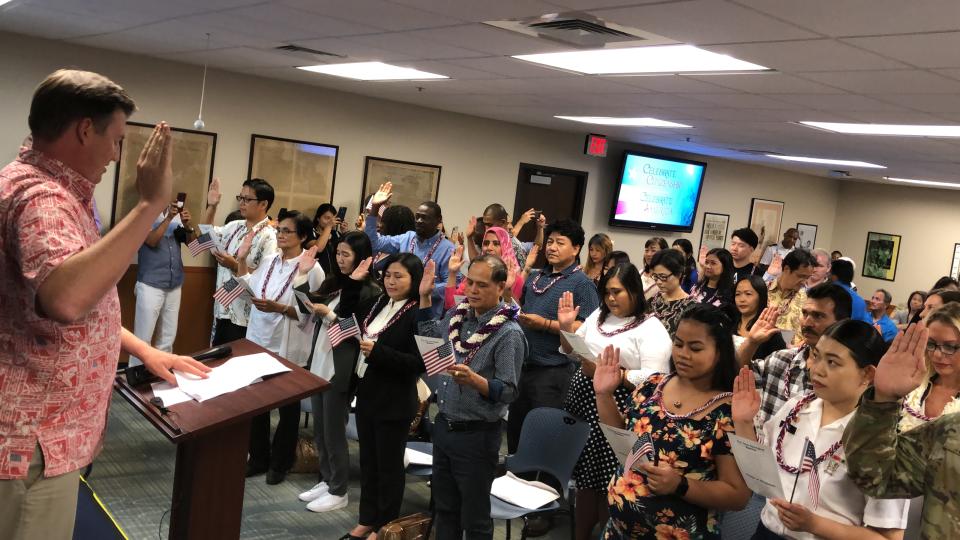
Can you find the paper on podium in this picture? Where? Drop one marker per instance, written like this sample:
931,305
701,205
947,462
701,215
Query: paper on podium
426,344
758,466
169,395
620,440
579,346
523,493
416,457
233,374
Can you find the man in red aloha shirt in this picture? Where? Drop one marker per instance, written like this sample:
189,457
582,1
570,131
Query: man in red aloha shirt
60,333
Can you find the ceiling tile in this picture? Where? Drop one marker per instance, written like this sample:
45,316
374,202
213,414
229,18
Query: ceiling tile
702,22
888,82
509,67
838,102
375,13
236,57
490,40
892,117
807,55
53,23
353,51
863,17
275,22
598,4
414,46
937,50
166,37
742,101
768,83
477,11
932,103
674,84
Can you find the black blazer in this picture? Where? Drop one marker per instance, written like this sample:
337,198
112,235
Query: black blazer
388,389
344,355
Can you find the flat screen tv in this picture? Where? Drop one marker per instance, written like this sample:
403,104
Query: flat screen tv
657,193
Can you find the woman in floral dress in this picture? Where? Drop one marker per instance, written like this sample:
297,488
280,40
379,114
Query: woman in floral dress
687,416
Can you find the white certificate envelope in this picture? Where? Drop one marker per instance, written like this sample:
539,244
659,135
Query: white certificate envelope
245,283
758,466
579,346
621,440
426,344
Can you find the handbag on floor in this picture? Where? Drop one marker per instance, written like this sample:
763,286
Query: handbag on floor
307,461
412,527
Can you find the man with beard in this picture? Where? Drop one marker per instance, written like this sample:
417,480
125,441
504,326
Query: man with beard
783,374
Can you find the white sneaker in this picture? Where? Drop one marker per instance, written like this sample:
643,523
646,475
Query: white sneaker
328,502
315,492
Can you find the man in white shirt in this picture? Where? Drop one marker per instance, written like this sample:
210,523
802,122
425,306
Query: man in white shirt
789,242
255,198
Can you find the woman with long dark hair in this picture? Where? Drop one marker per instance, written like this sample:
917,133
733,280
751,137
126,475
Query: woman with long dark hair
716,285
687,416
336,365
751,299
691,277
914,306
598,249
623,320
388,369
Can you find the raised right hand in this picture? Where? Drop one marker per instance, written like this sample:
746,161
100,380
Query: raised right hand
746,399
471,228
904,367
155,166
382,195
606,377
429,275
362,270
213,193
456,260
765,327
245,246
567,312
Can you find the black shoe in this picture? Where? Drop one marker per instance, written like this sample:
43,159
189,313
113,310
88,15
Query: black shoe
274,476
254,469
538,525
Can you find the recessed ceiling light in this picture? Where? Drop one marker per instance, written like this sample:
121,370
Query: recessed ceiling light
372,71
822,161
611,121
922,182
659,59
904,130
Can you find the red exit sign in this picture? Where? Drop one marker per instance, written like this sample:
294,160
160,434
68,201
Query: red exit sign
596,145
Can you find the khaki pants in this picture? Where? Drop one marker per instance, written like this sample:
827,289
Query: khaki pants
36,507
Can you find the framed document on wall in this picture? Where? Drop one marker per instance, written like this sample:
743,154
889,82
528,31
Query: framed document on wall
302,173
955,264
808,236
713,234
413,183
193,154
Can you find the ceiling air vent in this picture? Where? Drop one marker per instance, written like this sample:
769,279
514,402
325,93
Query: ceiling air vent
581,30
305,51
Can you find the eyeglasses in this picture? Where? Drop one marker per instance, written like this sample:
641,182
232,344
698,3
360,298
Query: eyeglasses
248,200
284,230
946,349
660,277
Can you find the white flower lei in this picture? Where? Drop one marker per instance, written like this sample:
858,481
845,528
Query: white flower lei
504,314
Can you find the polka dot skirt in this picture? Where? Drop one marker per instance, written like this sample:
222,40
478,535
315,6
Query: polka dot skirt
597,463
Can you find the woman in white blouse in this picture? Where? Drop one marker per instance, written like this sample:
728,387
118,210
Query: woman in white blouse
622,321
276,325
940,393
825,501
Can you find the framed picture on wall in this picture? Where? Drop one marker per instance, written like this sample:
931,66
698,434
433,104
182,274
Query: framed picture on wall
713,234
955,265
808,236
413,183
765,219
302,173
880,256
193,153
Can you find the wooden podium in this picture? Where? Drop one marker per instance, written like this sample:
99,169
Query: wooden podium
212,439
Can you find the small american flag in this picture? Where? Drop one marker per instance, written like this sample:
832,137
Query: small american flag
439,359
642,451
228,292
809,464
342,330
201,243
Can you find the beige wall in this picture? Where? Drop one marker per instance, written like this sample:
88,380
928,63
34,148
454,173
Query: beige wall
479,157
926,219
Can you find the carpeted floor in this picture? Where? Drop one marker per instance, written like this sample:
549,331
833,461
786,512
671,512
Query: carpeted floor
134,478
